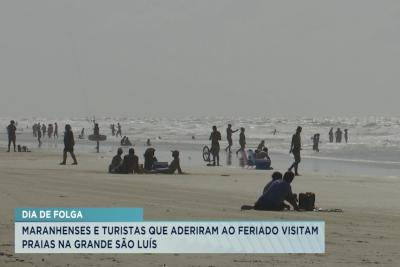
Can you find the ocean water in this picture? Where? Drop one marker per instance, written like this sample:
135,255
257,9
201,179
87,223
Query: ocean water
373,147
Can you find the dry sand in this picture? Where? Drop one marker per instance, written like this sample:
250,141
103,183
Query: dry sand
366,233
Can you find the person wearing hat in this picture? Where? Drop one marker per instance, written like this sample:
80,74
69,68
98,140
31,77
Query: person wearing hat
11,129
69,144
116,162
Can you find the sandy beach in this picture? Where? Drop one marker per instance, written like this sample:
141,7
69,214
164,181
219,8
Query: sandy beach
366,233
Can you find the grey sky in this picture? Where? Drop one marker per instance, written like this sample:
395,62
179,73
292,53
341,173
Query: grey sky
229,58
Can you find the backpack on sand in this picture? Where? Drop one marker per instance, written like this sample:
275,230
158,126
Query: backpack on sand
307,201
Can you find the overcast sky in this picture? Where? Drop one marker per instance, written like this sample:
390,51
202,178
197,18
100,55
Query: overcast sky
227,58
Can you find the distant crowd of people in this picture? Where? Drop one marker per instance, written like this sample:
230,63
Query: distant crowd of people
130,163
338,135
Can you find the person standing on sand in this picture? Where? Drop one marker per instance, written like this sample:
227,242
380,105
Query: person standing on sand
346,137
44,130
69,144
338,135
39,134
119,130
11,130
331,135
229,133
96,132
242,141
55,130
215,137
295,148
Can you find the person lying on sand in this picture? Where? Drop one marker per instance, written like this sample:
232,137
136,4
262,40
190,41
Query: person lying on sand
116,162
173,166
278,192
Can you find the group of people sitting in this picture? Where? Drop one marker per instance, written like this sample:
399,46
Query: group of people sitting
130,163
276,192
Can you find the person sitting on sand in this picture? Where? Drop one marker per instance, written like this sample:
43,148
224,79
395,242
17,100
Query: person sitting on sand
149,159
263,154
69,144
130,164
275,176
116,162
173,166
261,145
278,192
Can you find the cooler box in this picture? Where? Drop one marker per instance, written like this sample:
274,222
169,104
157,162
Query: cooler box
160,165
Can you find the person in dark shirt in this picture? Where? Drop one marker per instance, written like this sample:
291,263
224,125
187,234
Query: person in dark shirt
275,176
116,162
331,135
346,135
215,137
11,130
242,141
69,144
229,133
295,148
278,192
130,164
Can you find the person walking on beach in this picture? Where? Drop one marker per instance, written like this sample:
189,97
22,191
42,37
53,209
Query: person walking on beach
242,141
55,130
331,135
346,136
69,144
295,148
229,133
39,135
119,130
338,135
215,137
11,130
